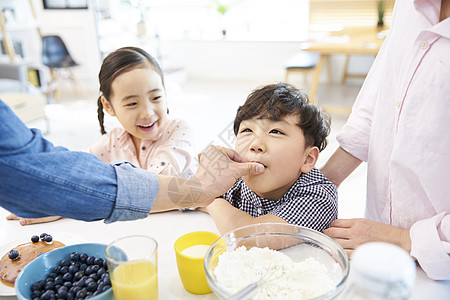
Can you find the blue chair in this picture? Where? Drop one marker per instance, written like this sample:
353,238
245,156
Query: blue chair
303,62
55,54
58,59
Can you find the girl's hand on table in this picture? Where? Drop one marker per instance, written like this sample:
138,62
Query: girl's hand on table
30,221
350,233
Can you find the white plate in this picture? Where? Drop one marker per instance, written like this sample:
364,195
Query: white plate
66,238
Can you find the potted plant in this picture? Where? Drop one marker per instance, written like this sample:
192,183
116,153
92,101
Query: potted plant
380,9
222,6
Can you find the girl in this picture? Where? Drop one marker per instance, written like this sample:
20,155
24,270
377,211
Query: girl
132,89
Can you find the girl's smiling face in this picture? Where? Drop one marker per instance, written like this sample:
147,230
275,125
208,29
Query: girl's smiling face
138,100
280,147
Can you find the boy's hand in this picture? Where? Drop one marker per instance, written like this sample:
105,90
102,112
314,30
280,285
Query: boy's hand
30,221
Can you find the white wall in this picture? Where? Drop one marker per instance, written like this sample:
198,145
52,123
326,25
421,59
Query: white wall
263,61
77,27
221,59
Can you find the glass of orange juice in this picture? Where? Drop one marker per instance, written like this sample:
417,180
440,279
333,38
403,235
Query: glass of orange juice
132,264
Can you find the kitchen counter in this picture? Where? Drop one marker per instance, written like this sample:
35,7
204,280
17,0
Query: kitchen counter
166,228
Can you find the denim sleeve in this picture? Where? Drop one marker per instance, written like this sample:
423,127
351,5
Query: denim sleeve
136,193
39,179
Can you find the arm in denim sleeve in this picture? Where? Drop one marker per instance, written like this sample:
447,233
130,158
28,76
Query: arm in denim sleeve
39,179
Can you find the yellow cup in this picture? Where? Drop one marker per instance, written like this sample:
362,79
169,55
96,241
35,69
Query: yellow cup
190,251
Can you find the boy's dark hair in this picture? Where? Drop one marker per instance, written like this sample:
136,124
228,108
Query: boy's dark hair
116,63
275,101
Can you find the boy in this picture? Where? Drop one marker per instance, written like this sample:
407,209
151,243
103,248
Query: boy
279,128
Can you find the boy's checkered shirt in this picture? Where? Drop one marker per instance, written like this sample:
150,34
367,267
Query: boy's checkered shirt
310,202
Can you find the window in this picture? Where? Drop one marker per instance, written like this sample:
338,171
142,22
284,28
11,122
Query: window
266,20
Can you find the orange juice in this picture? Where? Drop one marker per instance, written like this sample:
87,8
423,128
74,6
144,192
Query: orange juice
135,280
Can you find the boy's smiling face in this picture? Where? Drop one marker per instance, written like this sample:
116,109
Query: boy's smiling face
280,147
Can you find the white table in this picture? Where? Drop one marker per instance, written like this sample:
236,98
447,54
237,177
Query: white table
166,228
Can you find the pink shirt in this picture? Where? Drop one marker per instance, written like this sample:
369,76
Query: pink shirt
400,125
172,154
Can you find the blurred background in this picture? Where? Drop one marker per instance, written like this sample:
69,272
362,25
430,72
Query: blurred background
213,54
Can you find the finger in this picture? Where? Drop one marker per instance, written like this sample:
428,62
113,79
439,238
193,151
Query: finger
24,221
12,217
233,155
337,233
343,223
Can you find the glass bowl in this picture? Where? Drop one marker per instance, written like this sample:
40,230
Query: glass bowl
298,243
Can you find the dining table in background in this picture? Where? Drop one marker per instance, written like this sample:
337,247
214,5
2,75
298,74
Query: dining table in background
166,228
346,41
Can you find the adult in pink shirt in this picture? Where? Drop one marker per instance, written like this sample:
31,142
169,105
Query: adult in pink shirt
400,126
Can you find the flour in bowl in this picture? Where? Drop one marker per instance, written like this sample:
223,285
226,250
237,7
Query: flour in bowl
281,278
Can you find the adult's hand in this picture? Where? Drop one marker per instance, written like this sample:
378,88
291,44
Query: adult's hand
218,170
350,233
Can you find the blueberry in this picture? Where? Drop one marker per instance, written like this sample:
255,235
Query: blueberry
49,294
81,294
64,263
48,238
35,238
57,270
95,268
70,296
59,280
100,286
101,271
74,256
35,286
81,283
35,294
94,276
67,277
83,267
62,292
78,275
106,287
64,270
90,260
49,285
74,289
68,283
90,270
98,261
73,269
83,257
13,254
41,284
42,236
106,279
